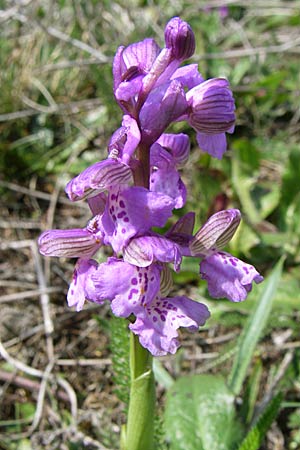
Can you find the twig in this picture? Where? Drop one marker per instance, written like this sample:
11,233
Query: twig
28,384
28,294
44,298
84,362
38,194
72,397
18,364
21,224
40,400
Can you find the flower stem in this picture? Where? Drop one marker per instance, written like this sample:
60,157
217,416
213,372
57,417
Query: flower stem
140,421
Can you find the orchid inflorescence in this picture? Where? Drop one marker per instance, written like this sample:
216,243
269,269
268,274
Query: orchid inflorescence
137,187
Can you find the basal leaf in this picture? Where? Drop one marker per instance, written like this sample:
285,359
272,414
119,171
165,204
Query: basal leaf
200,414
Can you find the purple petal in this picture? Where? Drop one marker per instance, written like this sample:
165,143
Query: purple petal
141,54
188,75
131,211
184,225
160,158
74,243
163,106
158,323
216,232
214,144
143,251
212,112
118,67
169,183
82,287
125,140
98,178
127,90
97,203
128,287
178,145
228,276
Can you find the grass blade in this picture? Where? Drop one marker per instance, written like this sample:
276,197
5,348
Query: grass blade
253,330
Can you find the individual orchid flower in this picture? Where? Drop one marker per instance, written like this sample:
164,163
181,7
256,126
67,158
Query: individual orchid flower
211,114
226,275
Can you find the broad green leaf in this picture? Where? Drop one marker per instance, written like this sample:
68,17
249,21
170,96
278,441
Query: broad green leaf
253,330
200,414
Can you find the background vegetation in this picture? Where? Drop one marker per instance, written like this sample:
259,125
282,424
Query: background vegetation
57,113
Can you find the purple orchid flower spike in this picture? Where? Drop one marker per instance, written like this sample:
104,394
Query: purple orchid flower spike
226,275
137,187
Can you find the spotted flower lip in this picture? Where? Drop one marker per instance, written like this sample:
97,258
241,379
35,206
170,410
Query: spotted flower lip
135,290
131,211
128,287
157,324
228,276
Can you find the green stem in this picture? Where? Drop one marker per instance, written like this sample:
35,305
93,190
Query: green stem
140,420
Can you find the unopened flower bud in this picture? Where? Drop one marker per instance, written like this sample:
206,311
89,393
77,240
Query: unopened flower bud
180,38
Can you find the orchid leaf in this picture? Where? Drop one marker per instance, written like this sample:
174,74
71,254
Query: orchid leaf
200,414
